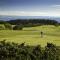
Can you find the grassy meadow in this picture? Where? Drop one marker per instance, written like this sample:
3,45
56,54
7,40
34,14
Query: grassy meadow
32,36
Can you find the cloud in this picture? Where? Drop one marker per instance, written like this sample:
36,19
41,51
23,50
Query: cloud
55,6
30,13
22,13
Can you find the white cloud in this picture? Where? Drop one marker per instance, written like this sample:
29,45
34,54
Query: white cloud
55,6
30,13
22,13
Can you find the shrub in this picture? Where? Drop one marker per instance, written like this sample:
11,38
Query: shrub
18,27
8,26
2,27
56,25
13,51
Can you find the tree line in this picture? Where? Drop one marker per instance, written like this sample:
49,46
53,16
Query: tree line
33,22
14,51
18,24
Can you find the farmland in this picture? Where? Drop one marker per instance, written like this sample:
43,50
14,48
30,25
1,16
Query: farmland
32,36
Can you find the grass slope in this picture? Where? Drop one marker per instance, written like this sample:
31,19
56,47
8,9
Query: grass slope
31,35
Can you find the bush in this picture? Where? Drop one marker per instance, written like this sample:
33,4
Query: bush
8,26
13,51
2,27
56,25
18,27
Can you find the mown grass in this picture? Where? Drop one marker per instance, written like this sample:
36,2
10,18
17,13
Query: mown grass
32,36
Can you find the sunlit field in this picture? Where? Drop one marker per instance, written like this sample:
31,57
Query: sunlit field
32,36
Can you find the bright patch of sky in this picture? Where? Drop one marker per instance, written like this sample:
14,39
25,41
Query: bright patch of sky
30,7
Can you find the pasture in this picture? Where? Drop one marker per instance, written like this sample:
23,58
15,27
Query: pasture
32,36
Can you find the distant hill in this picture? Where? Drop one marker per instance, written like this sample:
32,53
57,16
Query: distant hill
6,18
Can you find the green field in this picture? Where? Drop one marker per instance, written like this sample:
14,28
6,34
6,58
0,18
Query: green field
31,35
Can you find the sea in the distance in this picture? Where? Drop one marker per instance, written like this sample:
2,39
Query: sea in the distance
6,18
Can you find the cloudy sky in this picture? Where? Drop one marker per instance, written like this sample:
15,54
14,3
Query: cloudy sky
30,7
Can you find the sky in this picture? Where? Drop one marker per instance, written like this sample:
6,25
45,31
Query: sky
30,7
